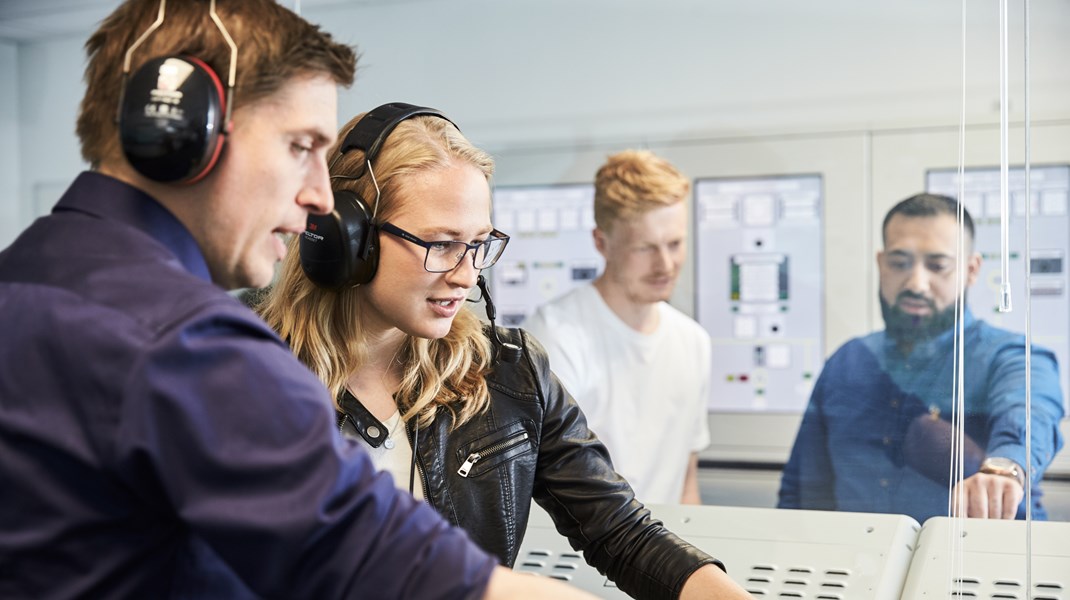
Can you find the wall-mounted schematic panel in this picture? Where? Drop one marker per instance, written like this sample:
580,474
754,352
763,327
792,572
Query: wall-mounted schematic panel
758,289
1049,226
551,249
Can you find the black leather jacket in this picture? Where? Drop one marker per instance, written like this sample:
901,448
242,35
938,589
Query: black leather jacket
533,442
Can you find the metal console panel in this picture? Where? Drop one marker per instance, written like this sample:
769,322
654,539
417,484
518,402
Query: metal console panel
773,553
992,563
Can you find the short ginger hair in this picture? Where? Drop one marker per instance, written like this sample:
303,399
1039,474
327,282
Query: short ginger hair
634,182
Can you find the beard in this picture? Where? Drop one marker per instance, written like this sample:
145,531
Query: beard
913,329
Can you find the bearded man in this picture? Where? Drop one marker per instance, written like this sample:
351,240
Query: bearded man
877,435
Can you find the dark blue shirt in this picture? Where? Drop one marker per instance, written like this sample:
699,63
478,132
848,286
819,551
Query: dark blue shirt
158,440
875,436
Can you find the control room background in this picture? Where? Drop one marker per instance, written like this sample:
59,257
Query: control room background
866,95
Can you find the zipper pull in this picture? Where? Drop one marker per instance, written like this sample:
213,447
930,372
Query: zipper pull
472,459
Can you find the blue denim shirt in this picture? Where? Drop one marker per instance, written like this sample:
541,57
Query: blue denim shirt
875,436
158,440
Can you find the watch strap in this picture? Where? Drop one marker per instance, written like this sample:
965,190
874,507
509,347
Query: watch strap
998,465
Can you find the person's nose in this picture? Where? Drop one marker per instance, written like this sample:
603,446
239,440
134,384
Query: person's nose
316,196
664,260
917,279
465,273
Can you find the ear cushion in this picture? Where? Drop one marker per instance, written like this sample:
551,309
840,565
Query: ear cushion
341,249
171,119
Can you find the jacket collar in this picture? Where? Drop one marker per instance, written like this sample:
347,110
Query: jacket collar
371,429
109,198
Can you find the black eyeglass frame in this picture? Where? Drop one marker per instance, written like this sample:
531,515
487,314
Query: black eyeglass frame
473,248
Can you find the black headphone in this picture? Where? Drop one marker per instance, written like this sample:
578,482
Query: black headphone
173,112
341,249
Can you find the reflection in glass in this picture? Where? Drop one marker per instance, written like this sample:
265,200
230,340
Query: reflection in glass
876,435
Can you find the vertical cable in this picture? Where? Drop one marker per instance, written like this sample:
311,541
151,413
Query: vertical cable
1028,466
956,501
1005,282
958,411
867,215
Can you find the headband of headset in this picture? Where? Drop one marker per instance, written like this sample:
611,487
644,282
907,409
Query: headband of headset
173,112
371,131
340,249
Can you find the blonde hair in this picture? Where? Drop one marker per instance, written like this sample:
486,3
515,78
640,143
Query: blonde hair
324,327
634,182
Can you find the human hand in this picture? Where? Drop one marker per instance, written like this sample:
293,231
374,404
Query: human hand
988,496
512,585
928,443
711,583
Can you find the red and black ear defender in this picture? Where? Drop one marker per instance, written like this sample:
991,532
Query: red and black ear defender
174,112
171,119
341,249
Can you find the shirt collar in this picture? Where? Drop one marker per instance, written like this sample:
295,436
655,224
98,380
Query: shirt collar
106,197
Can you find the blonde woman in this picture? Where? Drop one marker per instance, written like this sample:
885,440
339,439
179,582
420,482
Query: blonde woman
385,325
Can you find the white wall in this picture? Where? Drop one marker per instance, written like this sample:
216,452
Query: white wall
10,219
549,74
559,71
49,89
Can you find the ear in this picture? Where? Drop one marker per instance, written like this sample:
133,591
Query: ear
973,268
599,241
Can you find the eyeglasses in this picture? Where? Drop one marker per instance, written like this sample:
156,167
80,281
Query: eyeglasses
443,257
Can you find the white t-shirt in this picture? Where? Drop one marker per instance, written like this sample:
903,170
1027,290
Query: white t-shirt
394,456
644,395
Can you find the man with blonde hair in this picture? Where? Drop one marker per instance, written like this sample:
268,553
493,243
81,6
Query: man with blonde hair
638,367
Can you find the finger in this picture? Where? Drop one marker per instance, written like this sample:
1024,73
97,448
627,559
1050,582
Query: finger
977,502
1011,499
995,503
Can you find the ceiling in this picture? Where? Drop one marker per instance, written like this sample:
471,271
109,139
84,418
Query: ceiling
31,20
35,20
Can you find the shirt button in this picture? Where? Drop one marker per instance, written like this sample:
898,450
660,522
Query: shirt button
887,440
884,483
895,402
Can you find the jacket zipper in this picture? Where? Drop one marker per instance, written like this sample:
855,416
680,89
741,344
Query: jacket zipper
420,468
427,487
489,451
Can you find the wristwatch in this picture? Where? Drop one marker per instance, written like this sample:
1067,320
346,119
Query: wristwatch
997,465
